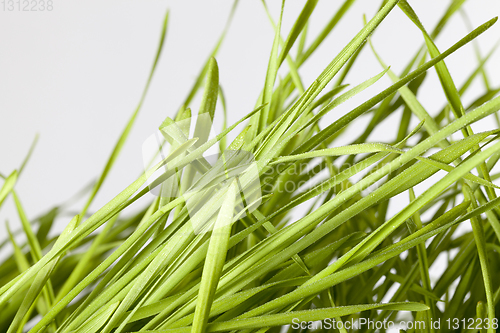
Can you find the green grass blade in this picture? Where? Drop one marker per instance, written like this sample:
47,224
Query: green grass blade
7,186
480,241
214,262
297,28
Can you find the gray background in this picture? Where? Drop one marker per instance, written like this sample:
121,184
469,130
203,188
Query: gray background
75,74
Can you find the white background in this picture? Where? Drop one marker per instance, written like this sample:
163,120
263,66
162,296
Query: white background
75,74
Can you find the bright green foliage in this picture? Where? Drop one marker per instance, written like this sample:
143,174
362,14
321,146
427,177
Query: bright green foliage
240,262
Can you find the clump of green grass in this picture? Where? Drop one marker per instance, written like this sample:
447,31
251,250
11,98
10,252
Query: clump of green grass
252,265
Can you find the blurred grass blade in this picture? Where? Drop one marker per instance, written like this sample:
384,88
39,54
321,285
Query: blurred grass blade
7,186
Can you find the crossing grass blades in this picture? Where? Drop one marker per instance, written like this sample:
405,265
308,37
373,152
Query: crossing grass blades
254,266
